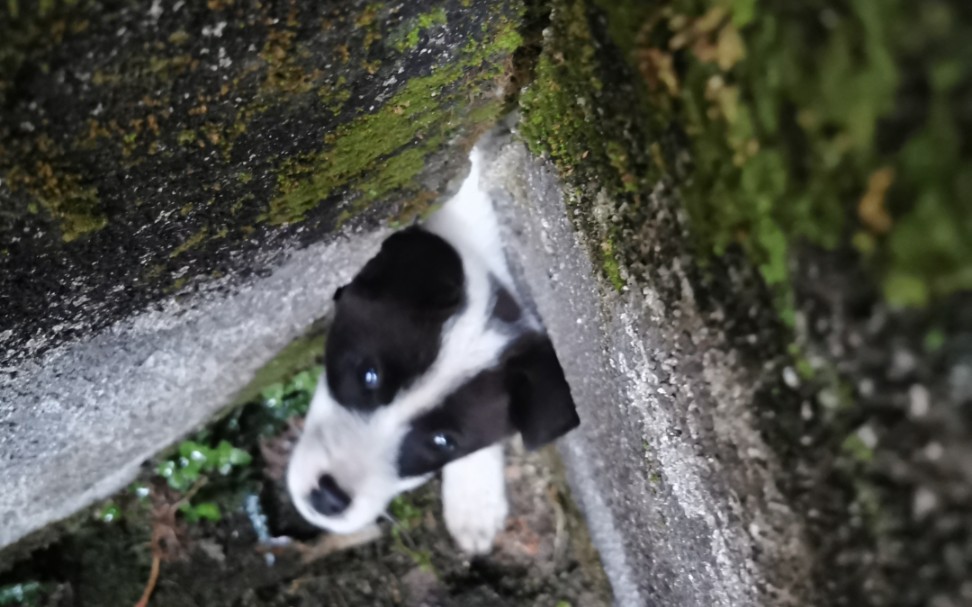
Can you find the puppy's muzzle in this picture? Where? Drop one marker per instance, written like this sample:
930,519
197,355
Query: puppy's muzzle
328,498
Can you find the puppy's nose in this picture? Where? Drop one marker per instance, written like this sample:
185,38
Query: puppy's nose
328,498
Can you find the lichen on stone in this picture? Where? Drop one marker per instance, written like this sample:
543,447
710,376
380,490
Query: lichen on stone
383,150
230,123
586,131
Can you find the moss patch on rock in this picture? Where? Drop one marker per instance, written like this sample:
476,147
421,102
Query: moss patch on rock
833,124
196,139
819,155
593,135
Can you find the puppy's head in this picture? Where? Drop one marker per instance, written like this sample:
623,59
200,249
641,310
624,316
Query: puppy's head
417,375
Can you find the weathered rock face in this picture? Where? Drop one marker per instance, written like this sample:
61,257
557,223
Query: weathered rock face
680,489
149,148
779,197
173,181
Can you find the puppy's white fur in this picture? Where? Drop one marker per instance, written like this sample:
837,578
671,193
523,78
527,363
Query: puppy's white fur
474,499
360,451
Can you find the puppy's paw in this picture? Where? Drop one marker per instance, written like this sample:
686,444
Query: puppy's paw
475,523
474,499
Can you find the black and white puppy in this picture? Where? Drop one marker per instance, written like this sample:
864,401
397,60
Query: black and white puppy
432,359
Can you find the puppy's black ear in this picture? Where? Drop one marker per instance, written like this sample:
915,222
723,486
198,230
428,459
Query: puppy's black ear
415,268
337,293
541,407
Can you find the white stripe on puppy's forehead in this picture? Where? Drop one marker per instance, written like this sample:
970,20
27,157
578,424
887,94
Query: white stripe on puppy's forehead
469,224
468,346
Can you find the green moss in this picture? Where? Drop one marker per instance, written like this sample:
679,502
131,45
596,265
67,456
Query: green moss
553,124
358,149
508,40
810,116
189,243
335,97
45,7
904,290
934,340
565,118
611,267
399,170
436,17
408,35
804,369
186,137
407,517
75,207
486,113
385,150
625,20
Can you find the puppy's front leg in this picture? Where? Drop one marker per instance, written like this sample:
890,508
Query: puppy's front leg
474,499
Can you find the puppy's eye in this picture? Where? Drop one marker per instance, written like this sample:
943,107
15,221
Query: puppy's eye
370,378
444,442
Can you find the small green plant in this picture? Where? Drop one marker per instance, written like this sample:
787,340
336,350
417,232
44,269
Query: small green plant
406,517
405,513
283,400
25,593
197,461
109,512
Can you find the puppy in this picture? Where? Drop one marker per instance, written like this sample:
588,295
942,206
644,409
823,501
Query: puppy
432,359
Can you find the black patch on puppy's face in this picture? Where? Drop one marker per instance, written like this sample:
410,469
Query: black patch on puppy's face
505,308
388,320
474,416
542,408
526,393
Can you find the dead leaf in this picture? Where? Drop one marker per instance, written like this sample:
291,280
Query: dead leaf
658,69
871,210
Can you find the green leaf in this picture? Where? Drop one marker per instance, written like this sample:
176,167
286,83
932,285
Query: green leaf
305,381
743,12
180,481
109,513
166,469
227,455
207,511
273,394
239,457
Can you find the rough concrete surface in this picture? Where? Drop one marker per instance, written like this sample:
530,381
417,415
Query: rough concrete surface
151,147
663,407
87,414
163,166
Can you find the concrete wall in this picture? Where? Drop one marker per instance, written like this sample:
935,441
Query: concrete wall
677,485
183,185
